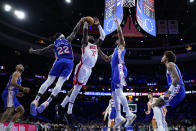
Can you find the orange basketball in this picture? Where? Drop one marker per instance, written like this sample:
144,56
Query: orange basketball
89,20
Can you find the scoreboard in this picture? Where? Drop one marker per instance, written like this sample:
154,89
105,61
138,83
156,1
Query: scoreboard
145,16
112,8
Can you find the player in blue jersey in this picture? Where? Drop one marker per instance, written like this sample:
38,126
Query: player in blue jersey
9,96
111,112
119,73
176,92
61,69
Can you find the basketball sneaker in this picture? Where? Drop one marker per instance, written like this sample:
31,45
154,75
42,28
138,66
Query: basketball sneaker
130,120
119,121
33,108
42,107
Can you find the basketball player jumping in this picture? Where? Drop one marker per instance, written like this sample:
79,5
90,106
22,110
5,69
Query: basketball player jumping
84,68
176,92
9,96
150,103
111,112
119,73
61,69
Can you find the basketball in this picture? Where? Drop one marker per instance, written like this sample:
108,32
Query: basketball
89,20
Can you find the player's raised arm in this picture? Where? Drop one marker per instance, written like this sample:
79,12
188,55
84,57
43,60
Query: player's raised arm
172,69
41,51
120,34
85,34
101,32
75,30
103,56
15,77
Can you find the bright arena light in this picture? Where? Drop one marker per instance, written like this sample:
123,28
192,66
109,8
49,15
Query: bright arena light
19,14
7,7
68,1
191,1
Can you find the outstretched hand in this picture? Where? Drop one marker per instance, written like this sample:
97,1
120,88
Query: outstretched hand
115,19
82,19
26,90
30,50
96,21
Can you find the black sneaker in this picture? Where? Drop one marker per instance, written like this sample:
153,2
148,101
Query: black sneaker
68,117
59,111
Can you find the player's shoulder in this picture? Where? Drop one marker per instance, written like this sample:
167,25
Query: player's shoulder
170,64
121,47
16,74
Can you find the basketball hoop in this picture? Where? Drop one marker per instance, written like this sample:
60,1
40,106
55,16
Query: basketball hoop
128,3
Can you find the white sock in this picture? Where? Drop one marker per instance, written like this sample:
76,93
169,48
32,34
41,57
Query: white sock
65,101
70,107
123,99
72,97
37,98
117,105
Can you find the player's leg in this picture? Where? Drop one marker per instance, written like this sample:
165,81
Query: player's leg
6,114
73,96
119,120
19,112
154,124
45,86
41,91
55,91
160,119
110,124
66,99
54,72
129,115
82,79
7,98
63,69
111,118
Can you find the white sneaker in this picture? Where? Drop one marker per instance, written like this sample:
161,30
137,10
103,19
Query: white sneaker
130,120
119,121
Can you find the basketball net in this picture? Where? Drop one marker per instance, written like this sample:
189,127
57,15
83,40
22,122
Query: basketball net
128,3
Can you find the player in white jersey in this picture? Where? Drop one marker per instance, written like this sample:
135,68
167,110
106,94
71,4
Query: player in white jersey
111,113
84,68
150,104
